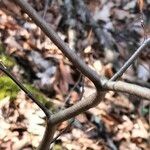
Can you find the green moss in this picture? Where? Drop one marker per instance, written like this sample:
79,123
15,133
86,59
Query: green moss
8,88
39,95
57,147
2,49
7,60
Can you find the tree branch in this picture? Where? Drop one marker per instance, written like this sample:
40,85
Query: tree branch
79,107
132,89
29,94
63,131
48,136
101,88
130,60
47,29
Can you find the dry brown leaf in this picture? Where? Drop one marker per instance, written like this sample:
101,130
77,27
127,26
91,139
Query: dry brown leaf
139,130
141,5
10,7
64,78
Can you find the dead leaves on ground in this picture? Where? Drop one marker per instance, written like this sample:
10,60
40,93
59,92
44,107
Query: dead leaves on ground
23,122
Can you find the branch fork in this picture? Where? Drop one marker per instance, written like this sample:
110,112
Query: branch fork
102,85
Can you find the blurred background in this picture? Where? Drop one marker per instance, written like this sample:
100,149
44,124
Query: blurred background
105,34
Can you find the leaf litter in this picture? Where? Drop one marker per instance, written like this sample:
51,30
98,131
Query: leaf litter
120,121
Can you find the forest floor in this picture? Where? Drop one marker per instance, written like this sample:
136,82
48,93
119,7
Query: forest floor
105,34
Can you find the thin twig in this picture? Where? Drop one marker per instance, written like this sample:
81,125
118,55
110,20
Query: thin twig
29,94
66,101
132,89
141,6
85,103
130,60
135,80
46,4
76,84
72,56
143,26
63,131
82,92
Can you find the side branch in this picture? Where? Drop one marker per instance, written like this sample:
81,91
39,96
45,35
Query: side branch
29,94
47,29
48,136
79,107
130,60
132,89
